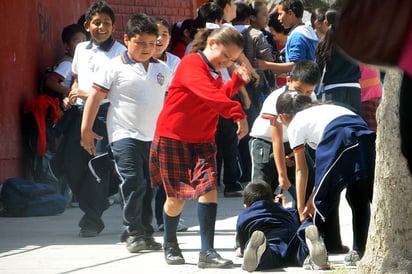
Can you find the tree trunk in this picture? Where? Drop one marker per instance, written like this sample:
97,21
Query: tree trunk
389,246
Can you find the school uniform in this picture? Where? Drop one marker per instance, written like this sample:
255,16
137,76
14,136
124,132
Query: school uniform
91,195
345,157
341,81
193,102
285,237
136,97
261,150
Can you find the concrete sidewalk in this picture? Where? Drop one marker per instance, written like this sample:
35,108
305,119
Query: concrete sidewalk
51,245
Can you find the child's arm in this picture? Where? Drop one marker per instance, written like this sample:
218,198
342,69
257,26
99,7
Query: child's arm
301,181
275,67
53,83
276,131
75,92
245,96
89,114
242,59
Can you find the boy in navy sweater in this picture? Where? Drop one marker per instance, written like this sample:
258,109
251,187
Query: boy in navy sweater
270,235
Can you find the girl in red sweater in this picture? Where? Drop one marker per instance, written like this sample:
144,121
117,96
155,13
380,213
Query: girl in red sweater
183,152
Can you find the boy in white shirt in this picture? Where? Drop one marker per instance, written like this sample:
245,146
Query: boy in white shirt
135,84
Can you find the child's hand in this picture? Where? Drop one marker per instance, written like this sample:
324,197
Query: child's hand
87,141
77,93
281,198
243,73
66,103
289,160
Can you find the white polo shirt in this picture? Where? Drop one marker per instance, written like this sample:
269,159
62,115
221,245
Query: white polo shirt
309,124
64,70
261,126
172,61
89,58
136,96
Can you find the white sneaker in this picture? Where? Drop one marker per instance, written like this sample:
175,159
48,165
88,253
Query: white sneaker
254,251
317,250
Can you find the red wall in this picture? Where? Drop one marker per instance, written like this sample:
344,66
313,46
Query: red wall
31,41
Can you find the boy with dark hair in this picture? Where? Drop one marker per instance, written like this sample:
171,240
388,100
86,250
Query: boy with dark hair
302,40
59,80
269,234
271,155
90,186
135,84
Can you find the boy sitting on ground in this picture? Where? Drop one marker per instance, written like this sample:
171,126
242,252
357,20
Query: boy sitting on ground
270,235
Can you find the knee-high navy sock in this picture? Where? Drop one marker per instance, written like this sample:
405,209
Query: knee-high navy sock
206,214
170,227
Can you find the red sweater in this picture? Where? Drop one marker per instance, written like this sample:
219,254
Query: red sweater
195,100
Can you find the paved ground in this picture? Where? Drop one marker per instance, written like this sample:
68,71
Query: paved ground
51,245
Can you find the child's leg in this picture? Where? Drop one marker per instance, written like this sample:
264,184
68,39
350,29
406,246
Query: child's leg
297,250
171,215
359,197
330,231
206,213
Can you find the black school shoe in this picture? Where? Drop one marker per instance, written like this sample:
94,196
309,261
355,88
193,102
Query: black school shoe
173,254
88,232
136,242
211,259
233,190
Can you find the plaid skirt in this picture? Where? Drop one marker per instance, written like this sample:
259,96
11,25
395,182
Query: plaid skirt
369,112
186,170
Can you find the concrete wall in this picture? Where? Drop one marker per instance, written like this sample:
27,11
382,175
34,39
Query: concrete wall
31,41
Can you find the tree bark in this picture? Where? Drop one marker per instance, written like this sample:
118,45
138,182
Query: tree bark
389,246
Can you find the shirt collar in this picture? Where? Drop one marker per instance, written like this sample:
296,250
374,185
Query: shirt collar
127,60
105,46
211,68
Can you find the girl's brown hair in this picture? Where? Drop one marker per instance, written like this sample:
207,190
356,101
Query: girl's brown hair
224,36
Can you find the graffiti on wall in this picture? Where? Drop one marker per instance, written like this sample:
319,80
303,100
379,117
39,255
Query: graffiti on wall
44,23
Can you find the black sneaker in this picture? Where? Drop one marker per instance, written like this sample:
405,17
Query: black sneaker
343,249
151,244
88,232
233,190
232,194
135,243
211,259
173,254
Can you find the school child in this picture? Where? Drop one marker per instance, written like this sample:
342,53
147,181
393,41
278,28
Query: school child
183,152
270,235
58,82
210,16
345,157
272,158
181,37
135,85
302,40
91,189
171,61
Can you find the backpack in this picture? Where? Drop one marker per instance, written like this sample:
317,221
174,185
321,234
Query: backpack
25,198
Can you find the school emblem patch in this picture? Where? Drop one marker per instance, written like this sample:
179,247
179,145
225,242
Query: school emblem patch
160,79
